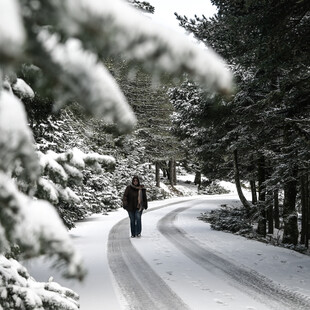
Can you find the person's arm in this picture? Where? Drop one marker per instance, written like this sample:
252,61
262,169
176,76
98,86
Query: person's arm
125,198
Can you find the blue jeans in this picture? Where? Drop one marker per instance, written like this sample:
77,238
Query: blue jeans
135,222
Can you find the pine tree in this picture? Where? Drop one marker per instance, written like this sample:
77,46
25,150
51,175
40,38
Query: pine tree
267,44
150,102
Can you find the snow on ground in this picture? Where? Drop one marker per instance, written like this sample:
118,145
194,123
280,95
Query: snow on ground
282,265
198,288
231,187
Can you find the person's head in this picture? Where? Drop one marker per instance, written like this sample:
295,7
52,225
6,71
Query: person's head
135,181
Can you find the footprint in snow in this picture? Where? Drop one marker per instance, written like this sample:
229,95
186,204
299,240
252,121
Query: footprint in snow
195,283
218,301
206,289
230,296
157,262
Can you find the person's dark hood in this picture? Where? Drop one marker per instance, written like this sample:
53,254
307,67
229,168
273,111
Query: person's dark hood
135,177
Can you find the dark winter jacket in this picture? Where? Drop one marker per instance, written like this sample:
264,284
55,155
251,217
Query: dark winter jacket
130,198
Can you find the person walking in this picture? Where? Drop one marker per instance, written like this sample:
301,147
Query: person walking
135,201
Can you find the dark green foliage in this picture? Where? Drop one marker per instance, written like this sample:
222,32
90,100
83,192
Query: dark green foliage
228,219
71,213
143,5
291,230
150,102
203,120
212,188
267,45
99,192
61,133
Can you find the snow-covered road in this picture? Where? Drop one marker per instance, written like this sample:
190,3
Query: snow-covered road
180,263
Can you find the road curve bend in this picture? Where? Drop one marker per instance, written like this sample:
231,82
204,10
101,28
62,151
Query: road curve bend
139,284
256,285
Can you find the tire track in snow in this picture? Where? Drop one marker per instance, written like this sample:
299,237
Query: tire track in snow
256,285
140,285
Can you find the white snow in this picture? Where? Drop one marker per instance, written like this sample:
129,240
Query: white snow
70,196
37,228
12,33
50,188
93,84
23,90
58,168
16,138
197,287
13,120
17,280
138,38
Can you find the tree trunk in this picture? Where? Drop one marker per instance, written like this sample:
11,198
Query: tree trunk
261,179
171,172
308,217
290,235
174,172
197,180
253,191
305,206
243,200
276,214
261,225
164,173
165,170
157,175
270,212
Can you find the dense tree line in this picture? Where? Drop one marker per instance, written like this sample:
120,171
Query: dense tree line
261,134
149,100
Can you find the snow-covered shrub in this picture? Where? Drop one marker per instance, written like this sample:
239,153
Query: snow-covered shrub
298,247
62,172
31,224
228,219
101,194
18,290
94,187
212,188
239,221
159,193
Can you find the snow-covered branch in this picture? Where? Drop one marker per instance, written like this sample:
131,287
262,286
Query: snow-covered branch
19,290
88,81
35,227
57,169
12,33
22,89
137,38
142,5
16,141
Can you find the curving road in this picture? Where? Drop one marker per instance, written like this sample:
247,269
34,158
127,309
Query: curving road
249,281
140,285
144,289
